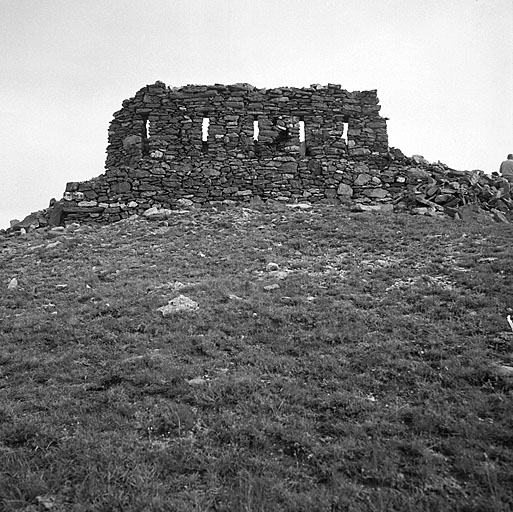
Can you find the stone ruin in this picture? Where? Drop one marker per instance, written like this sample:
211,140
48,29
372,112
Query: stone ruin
212,144
287,144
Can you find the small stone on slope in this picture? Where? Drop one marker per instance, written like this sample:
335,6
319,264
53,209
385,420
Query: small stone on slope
178,304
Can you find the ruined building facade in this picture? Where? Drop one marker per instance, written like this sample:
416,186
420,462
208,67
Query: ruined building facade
235,142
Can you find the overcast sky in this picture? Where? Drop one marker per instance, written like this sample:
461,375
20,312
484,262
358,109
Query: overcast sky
443,70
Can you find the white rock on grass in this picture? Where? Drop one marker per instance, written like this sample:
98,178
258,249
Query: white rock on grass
197,381
178,304
53,245
13,284
155,213
503,370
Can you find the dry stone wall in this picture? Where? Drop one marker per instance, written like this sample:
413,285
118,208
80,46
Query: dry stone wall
157,152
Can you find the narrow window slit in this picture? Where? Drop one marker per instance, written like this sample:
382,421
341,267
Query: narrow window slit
256,129
345,125
302,131
204,133
145,135
302,137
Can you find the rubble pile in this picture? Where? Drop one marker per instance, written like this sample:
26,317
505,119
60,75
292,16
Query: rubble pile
435,189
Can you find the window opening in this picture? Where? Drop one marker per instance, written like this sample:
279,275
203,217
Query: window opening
283,134
204,133
302,138
302,131
344,133
256,129
345,125
145,135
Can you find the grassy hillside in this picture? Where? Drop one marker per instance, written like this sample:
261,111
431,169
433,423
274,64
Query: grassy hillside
336,361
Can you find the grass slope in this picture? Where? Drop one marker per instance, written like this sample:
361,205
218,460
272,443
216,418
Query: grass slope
366,380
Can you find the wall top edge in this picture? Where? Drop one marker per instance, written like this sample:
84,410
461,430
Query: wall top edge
199,88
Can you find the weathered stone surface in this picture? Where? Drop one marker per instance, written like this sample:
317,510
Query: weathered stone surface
345,190
30,222
475,213
56,216
289,167
362,179
383,208
376,193
120,187
179,304
155,213
197,381
130,141
418,173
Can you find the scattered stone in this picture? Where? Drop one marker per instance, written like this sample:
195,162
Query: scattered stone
271,287
177,305
13,284
155,213
47,502
197,381
53,245
418,173
272,267
174,286
502,370
301,206
384,208
376,193
30,222
500,217
475,213
419,159
281,274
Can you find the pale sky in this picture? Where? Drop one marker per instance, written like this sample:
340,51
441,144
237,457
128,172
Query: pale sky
443,70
